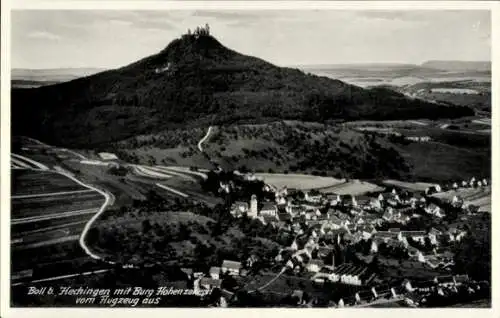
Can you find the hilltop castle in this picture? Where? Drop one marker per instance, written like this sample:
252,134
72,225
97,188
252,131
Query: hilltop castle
199,31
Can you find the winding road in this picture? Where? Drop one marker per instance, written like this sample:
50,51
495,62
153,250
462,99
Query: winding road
108,201
202,140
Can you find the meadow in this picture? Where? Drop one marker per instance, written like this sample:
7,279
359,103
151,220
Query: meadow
298,181
25,182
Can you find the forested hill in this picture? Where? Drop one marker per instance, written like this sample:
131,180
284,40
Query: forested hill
195,80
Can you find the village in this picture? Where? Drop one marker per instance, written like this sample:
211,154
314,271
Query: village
384,230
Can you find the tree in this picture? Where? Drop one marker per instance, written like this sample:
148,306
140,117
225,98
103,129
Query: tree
146,226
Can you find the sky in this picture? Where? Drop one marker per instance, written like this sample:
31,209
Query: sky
114,38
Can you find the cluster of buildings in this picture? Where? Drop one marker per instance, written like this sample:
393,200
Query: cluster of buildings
321,222
472,183
213,278
419,138
347,273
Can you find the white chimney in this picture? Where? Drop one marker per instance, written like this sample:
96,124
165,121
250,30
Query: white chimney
393,292
374,292
341,303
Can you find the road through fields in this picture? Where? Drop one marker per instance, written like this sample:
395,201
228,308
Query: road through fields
202,140
97,212
38,195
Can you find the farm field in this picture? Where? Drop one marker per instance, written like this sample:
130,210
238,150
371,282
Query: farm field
120,186
412,186
437,162
51,205
480,197
26,182
482,303
298,181
353,187
48,214
187,187
483,121
49,260
286,284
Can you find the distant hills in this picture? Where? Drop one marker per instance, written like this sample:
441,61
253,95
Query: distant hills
403,75
441,65
196,81
479,66
49,76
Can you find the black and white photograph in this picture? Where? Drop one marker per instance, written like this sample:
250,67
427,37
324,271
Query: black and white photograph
198,158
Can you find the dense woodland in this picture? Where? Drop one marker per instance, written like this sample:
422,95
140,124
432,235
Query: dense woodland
195,80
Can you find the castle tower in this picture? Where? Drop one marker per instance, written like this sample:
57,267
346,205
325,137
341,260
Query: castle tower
253,206
333,260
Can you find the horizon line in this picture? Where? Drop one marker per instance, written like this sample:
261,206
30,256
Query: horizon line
282,65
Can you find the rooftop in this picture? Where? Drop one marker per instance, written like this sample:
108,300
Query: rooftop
210,281
231,264
268,206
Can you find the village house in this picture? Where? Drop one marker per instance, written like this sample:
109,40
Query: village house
107,156
214,272
433,189
455,234
316,198
416,254
420,286
432,209
334,201
209,283
283,192
251,260
299,296
374,204
188,272
231,267
385,236
333,223
314,265
269,209
323,275
281,201
295,210
284,217
351,274
444,281
434,235
388,214
367,230
269,219
239,208
460,279
418,236
325,251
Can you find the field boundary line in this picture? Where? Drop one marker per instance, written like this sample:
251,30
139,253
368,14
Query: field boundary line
58,215
172,190
51,228
18,163
33,162
164,169
150,173
74,153
25,196
48,242
62,277
181,169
